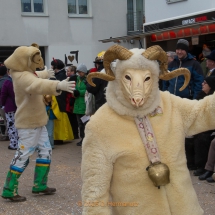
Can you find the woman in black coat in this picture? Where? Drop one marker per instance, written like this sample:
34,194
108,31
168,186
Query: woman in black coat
60,74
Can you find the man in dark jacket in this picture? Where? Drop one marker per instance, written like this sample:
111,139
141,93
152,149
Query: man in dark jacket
186,60
99,90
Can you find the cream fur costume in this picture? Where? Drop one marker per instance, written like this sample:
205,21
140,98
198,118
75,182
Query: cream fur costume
29,89
30,119
114,158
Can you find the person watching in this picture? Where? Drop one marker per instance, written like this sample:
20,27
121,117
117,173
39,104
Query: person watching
184,59
210,63
99,90
79,94
70,101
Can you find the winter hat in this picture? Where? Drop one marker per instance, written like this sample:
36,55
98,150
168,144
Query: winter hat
3,70
182,44
93,70
211,56
211,82
82,68
99,57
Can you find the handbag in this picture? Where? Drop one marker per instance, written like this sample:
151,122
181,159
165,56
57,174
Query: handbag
90,104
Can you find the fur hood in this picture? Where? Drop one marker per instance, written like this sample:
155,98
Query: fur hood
21,59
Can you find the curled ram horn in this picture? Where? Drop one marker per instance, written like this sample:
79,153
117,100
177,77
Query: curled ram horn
176,73
98,75
113,53
157,53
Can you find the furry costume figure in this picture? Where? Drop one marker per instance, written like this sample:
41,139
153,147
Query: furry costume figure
31,118
114,159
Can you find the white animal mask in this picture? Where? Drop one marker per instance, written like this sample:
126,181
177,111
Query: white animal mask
137,85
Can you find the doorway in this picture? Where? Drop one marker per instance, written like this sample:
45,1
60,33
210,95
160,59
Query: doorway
6,51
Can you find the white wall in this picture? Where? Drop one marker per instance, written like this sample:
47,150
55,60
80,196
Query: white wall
60,34
157,10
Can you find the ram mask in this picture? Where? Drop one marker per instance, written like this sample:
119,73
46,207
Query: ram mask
138,70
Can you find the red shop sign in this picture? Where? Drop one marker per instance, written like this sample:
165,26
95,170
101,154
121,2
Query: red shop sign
185,32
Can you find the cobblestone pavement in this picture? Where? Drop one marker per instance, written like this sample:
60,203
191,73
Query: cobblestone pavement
65,176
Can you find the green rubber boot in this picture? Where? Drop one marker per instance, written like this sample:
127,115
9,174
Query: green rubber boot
41,175
10,188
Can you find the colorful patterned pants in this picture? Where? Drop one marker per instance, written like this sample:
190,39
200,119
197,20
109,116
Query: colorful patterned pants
30,140
11,129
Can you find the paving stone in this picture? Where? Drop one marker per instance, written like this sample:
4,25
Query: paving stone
65,176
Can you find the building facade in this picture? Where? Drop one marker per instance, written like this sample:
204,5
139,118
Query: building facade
171,20
84,28
166,21
61,28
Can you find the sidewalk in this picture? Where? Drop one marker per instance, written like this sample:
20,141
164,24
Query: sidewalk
65,176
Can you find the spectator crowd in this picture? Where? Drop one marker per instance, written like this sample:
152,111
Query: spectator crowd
65,111
68,113
200,148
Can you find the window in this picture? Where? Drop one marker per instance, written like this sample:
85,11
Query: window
135,15
78,8
173,1
36,7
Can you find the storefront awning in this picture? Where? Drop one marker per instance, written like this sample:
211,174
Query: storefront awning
183,31
128,37
180,31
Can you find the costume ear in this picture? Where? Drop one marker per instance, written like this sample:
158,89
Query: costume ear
35,60
35,45
35,57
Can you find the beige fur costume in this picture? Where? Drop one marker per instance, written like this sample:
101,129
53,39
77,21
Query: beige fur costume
29,89
114,158
30,119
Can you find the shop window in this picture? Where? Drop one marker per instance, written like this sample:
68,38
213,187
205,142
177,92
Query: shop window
173,1
33,7
78,8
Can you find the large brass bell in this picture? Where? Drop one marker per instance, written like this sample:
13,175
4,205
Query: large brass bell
159,174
